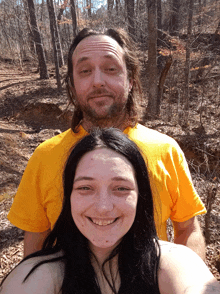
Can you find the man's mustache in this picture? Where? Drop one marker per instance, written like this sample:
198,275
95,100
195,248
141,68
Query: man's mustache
99,92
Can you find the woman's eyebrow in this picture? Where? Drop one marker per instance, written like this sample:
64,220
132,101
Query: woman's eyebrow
83,178
121,179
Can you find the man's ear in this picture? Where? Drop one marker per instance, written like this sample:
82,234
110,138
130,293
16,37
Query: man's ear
72,89
130,84
70,84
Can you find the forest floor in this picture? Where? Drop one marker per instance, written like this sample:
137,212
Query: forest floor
32,110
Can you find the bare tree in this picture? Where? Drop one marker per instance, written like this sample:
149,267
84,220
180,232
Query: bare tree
117,3
153,108
89,4
37,41
159,22
54,31
74,18
130,16
216,33
54,40
110,7
30,36
188,51
174,17
62,8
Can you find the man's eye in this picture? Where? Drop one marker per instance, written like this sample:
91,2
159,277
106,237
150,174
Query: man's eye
111,69
84,71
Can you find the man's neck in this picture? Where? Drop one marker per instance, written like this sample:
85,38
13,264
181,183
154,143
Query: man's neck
120,123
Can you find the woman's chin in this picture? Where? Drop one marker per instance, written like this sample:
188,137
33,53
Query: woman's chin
103,246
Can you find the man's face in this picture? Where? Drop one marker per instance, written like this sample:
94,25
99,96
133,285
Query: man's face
100,77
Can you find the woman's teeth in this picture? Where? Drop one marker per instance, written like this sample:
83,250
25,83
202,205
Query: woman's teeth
102,222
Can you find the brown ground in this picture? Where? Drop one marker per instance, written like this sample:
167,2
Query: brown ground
32,110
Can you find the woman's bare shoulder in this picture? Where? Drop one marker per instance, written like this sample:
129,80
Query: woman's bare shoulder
182,271
47,278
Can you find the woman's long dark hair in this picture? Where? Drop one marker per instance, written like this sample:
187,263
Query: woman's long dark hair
138,252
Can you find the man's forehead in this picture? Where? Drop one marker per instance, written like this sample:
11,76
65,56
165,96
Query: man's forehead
98,44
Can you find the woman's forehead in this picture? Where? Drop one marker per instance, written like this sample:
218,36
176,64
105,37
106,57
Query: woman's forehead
106,162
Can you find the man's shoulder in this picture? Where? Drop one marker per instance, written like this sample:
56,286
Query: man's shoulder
57,140
144,135
60,143
55,149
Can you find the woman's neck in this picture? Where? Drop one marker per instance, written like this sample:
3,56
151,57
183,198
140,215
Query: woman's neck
111,273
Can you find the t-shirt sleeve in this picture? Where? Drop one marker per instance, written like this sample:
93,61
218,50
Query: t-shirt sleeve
27,211
186,201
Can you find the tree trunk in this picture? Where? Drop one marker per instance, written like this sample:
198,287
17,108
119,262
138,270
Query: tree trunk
215,36
188,50
174,19
54,41
159,23
200,16
54,31
130,15
153,108
62,8
4,32
37,41
74,18
110,7
163,78
117,3
88,4
30,35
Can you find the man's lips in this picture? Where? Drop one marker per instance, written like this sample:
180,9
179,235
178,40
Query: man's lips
102,222
100,94
99,98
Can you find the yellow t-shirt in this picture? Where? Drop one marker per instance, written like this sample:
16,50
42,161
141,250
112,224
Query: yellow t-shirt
38,201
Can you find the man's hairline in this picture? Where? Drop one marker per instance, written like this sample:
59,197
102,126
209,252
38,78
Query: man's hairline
105,35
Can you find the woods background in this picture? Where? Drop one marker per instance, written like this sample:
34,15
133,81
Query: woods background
179,48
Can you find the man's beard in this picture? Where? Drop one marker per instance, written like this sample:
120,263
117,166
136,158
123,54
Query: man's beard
113,111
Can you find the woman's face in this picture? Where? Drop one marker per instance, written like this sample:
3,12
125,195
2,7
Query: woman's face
104,197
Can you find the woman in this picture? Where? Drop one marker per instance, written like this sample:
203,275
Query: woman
105,240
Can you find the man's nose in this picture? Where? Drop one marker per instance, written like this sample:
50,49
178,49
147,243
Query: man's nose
98,80
104,203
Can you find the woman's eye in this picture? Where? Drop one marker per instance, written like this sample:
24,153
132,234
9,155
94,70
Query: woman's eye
122,189
84,188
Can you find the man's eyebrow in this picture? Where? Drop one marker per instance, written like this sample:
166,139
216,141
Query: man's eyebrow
80,60
110,56
84,58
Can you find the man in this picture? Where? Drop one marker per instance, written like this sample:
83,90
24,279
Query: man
103,84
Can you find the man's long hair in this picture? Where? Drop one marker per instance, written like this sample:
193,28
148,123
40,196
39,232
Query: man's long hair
138,252
132,65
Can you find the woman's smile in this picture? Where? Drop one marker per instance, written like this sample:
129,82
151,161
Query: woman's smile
102,222
104,197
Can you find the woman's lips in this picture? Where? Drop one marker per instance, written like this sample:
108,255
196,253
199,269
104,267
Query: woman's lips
102,222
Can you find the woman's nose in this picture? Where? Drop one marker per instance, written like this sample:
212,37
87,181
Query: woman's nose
104,203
